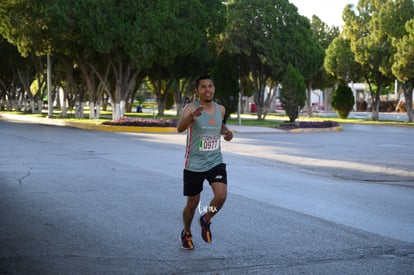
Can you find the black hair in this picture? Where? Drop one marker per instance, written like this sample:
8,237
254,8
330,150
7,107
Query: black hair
202,77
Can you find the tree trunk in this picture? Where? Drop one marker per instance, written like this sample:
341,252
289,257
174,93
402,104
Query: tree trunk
375,100
122,106
39,106
161,99
68,68
259,84
182,90
327,97
375,104
116,110
259,101
89,75
126,78
79,108
270,99
32,105
25,81
63,103
309,99
92,110
408,95
98,111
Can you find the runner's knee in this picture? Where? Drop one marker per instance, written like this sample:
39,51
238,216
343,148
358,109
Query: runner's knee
193,201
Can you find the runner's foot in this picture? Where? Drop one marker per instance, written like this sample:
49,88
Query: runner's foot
205,230
186,240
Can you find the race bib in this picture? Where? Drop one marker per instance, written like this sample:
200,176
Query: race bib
209,143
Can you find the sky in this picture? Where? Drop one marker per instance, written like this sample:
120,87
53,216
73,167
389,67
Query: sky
329,11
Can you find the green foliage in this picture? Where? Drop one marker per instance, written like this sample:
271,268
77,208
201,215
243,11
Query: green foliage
403,44
370,44
343,100
140,98
403,67
267,35
340,61
293,92
324,34
24,24
11,62
247,85
225,77
38,85
170,101
120,41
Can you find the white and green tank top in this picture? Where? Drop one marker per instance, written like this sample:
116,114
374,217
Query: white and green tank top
203,141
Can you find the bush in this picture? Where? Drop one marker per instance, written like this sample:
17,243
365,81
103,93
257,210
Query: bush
293,92
308,124
343,100
125,121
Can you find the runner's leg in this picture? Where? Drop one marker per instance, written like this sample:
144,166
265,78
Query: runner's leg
189,210
220,195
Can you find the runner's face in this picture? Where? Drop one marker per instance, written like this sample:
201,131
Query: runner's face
206,90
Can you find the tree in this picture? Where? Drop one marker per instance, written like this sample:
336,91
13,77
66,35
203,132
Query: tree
126,36
397,21
99,40
162,84
340,61
293,92
188,31
343,100
16,75
267,35
185,71
311,67
226,77
403,67
325,35
370,45
24,24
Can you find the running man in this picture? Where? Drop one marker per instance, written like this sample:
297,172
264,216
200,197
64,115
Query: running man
204,122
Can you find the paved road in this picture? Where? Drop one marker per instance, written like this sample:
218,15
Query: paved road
86,202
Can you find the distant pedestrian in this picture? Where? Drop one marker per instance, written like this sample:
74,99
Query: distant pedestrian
186,102
205,123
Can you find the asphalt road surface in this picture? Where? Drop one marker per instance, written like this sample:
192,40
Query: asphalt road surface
88,202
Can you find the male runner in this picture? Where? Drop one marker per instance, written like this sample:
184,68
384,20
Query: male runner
204,122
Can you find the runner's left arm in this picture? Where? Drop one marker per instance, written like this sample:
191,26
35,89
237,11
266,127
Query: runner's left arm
228,135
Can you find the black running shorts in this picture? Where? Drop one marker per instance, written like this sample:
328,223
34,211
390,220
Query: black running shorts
193,181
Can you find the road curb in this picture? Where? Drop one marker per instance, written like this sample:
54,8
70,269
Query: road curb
88,126
116,128
312,130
